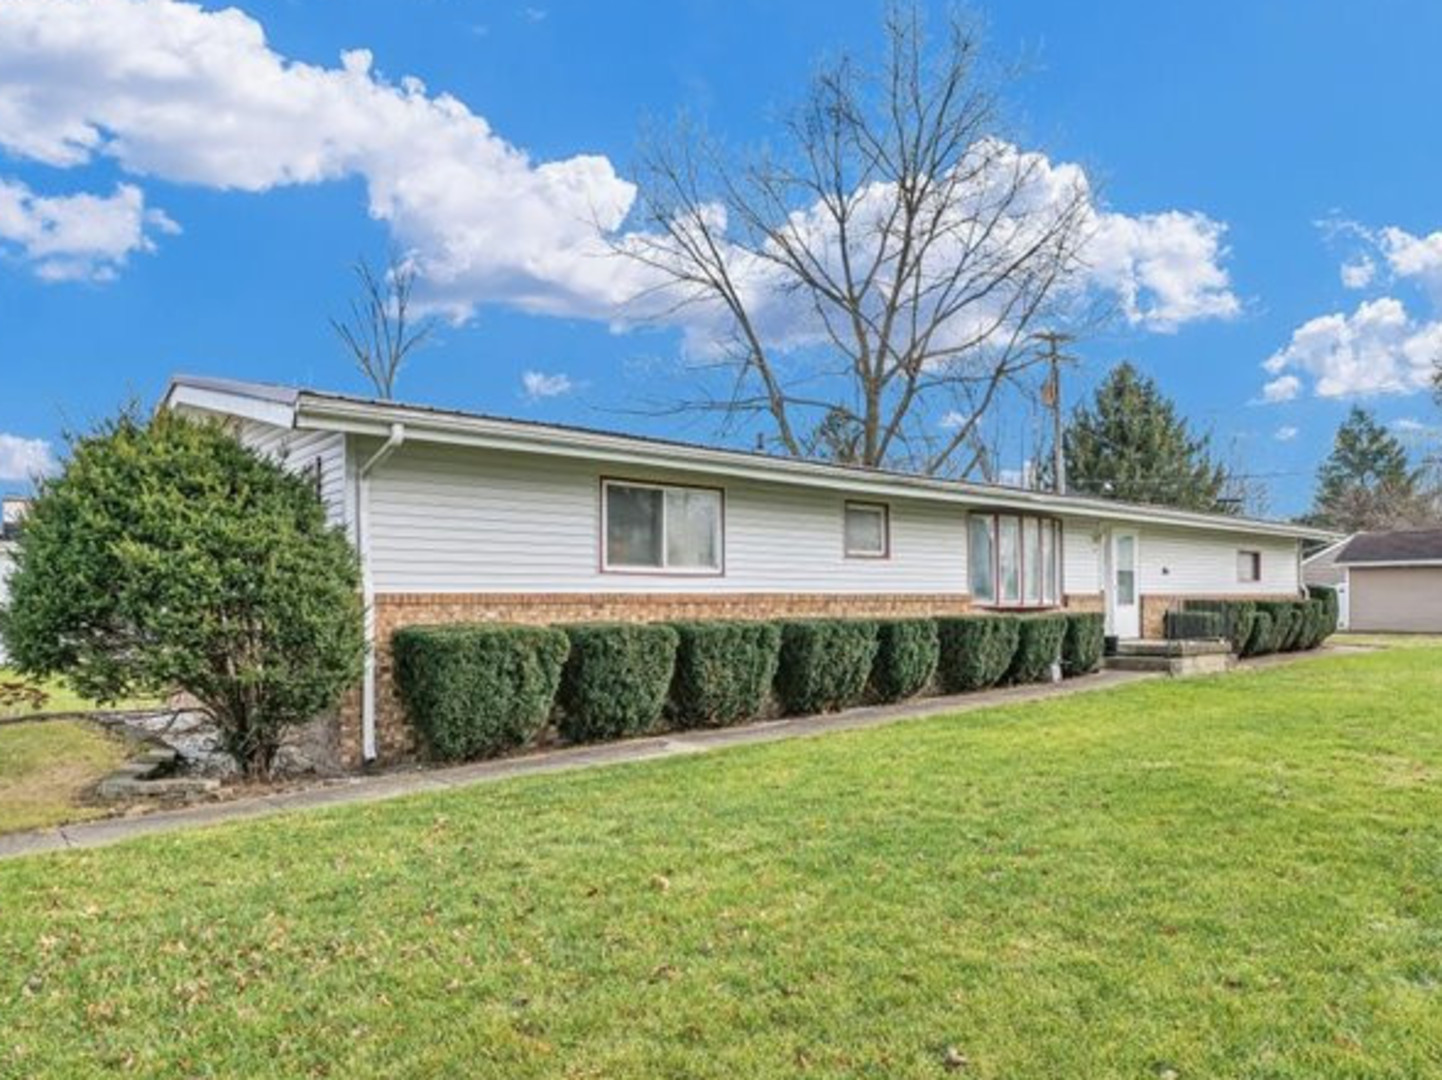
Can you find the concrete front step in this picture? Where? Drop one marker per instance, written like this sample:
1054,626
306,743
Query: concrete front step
1177,665
1197,647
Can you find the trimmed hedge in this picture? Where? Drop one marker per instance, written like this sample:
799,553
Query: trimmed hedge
1085,640
1038,647
825,663
477,691
615,682
724,671
1238,619
906,655
1288,623
1331,610
1261,636
1193,625
976,650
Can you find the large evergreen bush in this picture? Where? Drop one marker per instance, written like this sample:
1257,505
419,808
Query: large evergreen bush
166,556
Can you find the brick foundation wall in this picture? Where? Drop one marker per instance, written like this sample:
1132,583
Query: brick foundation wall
1156,606
395,740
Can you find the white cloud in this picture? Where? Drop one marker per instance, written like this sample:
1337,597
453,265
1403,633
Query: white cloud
538,384
1166,268
77,237
1418,258
24,459
192,96
1358,273
1283,389
1377,349
1286,433
170,90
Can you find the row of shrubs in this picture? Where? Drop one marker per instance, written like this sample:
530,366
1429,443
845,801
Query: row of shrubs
478,691
1258,627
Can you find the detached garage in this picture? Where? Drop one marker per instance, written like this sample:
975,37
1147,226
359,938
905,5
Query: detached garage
1394,581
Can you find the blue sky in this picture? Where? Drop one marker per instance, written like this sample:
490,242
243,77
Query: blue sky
211,231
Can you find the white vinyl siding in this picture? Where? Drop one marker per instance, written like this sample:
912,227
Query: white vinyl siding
1081,557
455,520
449,519
306,452
1176,562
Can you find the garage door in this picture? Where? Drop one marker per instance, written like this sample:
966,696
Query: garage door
1397,599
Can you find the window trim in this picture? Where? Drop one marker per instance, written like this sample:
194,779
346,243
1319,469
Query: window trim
603,561
1255,556
996,603
885,510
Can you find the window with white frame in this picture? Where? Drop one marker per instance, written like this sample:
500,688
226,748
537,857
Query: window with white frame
868,530
661,527
1249,566
1015,560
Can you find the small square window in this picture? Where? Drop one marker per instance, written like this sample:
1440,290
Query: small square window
868,530
1249,566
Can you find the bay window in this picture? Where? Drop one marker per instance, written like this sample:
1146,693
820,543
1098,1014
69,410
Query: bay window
661,527
1015,560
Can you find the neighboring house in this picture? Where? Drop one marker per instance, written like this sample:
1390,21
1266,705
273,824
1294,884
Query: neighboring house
1394,580
1321,568
12,509
459,517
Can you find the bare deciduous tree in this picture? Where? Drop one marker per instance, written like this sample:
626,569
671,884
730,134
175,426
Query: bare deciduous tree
875,286
380,333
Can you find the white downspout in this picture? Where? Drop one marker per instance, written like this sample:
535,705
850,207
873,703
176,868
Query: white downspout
368,592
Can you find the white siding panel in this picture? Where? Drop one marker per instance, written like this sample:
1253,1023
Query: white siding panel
1081,555
445,520
305,451
1181,562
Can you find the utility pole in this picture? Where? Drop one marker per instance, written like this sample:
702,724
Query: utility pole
1051,398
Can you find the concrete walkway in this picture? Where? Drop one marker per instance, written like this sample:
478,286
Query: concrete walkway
391,785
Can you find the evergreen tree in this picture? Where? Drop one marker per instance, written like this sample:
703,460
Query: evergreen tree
1131,444
1367,481
168,557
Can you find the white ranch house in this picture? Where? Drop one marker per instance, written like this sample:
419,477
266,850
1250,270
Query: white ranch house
461,517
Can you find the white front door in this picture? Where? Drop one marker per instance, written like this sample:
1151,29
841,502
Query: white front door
1123,603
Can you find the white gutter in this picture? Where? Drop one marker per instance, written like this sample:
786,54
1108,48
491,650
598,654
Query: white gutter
357,418
1387,564
363,547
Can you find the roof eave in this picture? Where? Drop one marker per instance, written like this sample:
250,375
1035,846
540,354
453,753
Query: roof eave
185,394
369,419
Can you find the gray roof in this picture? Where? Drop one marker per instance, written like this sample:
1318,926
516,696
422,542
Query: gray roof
316,402
1401,546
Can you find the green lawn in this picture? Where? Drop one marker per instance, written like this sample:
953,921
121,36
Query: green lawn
60,698
1232,877
45,770
1390,641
